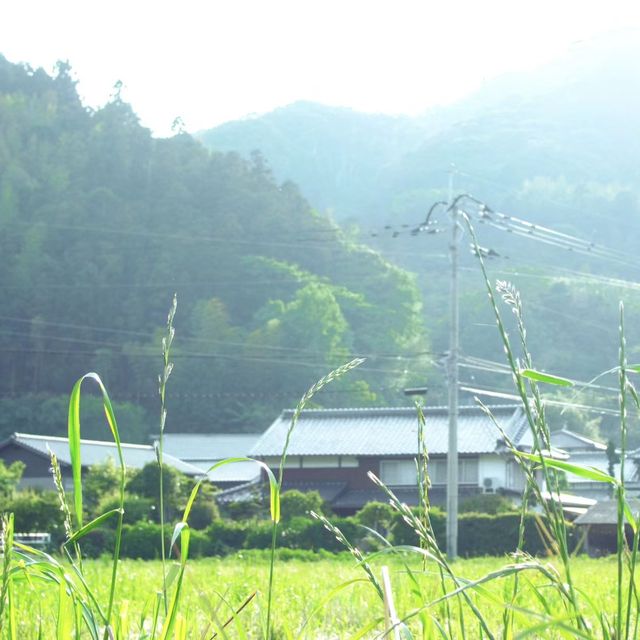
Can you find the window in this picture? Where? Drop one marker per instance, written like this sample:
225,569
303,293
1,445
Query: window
398,472
403,472
320,462
467,471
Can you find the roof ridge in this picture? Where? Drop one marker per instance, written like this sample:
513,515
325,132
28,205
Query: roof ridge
108,443
412,409
580,436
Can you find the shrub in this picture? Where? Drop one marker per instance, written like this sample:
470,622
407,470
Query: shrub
136,509
402,534
481,534
487,503
99,481
100,541
258,535
225,536
37,511
141,540
176,486
294,504
203,514
244,509
377,516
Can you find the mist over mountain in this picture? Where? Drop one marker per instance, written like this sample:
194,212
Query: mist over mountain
572,124
557,146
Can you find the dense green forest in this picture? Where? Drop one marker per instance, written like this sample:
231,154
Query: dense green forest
100,223
555,146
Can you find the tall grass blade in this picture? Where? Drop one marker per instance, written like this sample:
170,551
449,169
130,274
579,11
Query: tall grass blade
76,462
7,551
311,392
167,368
538,376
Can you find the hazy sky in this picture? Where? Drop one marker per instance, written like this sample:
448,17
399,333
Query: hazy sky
209,62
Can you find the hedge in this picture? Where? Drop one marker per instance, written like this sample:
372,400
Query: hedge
478,534
482,534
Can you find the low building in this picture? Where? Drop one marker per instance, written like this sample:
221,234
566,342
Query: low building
600,526
203,450
332,450
33,451
585,452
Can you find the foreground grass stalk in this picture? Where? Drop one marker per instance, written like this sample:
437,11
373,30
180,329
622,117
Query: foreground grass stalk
162,390
76,464
333,375
537,422
621,537
7,548
425,507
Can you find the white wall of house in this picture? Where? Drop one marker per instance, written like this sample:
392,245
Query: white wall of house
492,468
313,462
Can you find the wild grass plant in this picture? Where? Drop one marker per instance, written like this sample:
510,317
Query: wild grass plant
425,595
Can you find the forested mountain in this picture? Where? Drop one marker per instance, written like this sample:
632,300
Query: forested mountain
100,223
557,146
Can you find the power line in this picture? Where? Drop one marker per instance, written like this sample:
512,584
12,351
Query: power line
557,403
191,339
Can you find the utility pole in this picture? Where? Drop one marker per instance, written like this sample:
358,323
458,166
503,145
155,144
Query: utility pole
452,454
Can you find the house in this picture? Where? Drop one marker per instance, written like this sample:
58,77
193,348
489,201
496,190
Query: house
33,450
332,450
600,526
586,452
204,450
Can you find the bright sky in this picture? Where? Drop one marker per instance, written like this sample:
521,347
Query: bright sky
218,60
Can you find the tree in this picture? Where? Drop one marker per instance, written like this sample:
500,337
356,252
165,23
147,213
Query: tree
9,478
100,480
295,504
146,483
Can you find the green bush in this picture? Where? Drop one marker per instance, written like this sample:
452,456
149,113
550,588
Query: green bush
225,536
295,504
377,516
37,511
99,542
142,540
136,509
244,509
203,514
487,503
481,534
402,534
176,487
258,535
306,533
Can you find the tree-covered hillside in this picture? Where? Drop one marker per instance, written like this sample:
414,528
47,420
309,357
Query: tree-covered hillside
100,223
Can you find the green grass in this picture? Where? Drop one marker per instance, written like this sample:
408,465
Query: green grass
302,586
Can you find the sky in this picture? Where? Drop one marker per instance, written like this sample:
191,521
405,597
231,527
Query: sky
210,62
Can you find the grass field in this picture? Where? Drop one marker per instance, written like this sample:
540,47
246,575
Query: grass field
308,591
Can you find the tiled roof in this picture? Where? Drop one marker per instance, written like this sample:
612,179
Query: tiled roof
241,472
204,447
606,512
570,441
388,431
97,451
203,450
